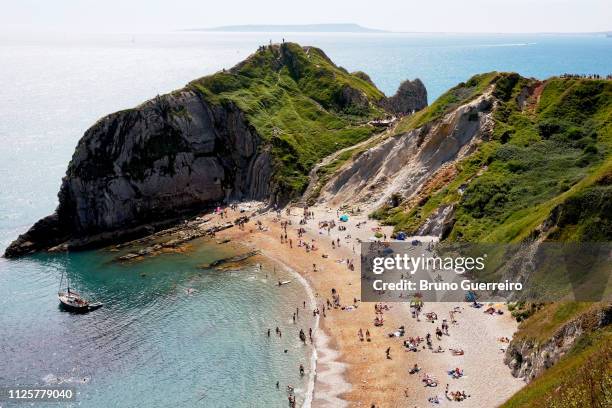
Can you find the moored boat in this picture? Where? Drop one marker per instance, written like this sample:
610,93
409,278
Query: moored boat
74,302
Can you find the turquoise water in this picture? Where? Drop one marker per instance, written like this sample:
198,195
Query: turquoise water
169,334
152,344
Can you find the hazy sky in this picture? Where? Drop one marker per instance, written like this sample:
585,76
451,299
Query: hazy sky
397,15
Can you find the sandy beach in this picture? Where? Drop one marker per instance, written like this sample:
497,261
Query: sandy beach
351,372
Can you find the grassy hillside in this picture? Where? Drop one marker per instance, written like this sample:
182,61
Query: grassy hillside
303,105
458,95
581,378
549,159
551,149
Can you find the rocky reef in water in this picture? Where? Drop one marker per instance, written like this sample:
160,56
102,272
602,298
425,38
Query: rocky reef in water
251,132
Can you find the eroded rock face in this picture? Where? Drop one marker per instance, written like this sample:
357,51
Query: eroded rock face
402,165
411,96
173,154
528,359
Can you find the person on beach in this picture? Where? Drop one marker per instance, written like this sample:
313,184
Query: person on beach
302,336
301,370
368,335
268,332
294,318
360,334
388,353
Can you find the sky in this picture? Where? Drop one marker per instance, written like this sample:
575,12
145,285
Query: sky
133,16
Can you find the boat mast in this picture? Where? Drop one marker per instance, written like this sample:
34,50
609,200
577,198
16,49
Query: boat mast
62,281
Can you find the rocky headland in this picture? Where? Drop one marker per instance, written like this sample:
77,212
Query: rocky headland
251,132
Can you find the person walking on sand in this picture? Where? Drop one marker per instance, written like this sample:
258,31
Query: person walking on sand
388,353
360,334
438,333
368,335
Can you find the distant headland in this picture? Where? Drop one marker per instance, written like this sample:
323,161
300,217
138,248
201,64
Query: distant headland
302,28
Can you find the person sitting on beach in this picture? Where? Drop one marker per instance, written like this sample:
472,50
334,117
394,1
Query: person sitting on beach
414,369
490,310
429,381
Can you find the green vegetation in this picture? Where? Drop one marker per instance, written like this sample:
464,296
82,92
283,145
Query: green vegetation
544,156
303,105
460,94
550,317
580,379
548,159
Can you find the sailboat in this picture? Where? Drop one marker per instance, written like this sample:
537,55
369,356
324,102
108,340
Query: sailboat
72,301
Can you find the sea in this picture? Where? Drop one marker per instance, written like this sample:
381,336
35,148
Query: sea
172,333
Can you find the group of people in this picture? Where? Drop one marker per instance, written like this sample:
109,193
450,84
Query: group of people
587,76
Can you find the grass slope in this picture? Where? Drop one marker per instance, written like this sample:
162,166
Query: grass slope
580,379
303,105
551,150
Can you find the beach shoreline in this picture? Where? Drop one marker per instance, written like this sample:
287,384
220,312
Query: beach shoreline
349,372
327,372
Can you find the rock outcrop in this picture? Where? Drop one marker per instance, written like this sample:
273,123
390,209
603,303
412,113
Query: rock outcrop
411,96
174,154
528,359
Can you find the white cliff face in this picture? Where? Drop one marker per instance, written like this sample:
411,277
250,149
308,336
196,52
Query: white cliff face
402,164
